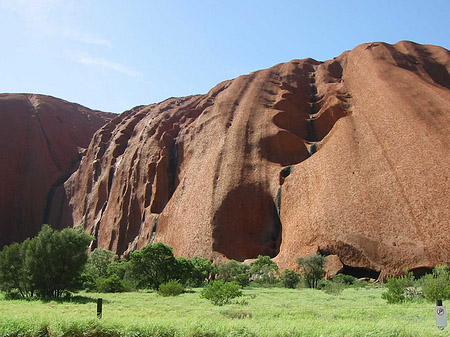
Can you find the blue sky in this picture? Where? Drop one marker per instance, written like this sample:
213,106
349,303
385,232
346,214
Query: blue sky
112,55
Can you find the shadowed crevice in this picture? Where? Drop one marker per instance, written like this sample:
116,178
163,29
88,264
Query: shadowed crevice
247,224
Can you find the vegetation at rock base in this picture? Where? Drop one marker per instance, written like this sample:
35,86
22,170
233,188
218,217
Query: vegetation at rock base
171,288
99,262
264,270
290,278
436,286
252,293
47,265
153,265
312,269
203,270
220,292
234,271
396,288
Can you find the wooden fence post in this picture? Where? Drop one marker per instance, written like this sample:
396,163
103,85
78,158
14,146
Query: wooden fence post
99,307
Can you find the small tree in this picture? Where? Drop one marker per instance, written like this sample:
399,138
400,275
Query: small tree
235,271
152,265
264,269
184,270
46,265
202,270
312,269
55,260
14,277
118,268
171,288
436,286
99,261
396,288
290,278
220,292
112,284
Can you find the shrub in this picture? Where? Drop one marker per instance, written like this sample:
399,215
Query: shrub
235,271
87,282
112,284
55,260
13,295
413,293
332,288
202,270
171,288
184,270
48,265
312,269
99,261
220,292
436,286
396,288
14,275
290,278
119,268
264,270
153,265
345,279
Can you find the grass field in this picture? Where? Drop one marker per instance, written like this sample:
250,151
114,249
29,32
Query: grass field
268,312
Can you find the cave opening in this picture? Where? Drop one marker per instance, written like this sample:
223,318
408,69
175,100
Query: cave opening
360,272
420,271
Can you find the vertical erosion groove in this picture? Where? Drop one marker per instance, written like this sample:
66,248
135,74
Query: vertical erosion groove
305,115
173,166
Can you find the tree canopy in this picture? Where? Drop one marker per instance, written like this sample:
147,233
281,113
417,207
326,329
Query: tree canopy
46,265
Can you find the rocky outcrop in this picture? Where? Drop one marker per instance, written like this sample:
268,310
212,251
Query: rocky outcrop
42,139
348,157
377,193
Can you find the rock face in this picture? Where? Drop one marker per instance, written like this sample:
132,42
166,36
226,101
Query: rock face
41,141
348,157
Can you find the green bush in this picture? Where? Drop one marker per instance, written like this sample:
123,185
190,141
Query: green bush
203,270
48,265
436,286
235,271
290,278
396,288
184,270
332,288
112,284
220,292
171,288
264,270
87,282
14,274
345,279
153,265
312,269
99,261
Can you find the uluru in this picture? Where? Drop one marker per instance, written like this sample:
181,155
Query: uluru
348,157
42,140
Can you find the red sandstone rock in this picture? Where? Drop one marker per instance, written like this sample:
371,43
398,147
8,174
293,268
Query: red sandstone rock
41,140
333,266
230,174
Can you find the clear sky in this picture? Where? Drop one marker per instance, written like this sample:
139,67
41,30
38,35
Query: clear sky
112,55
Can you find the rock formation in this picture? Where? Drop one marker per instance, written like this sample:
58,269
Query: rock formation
41,141
347,157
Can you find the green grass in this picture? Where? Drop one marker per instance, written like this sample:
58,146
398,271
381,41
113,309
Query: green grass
269,312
